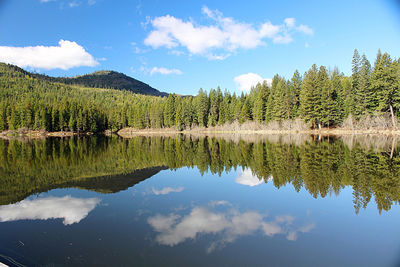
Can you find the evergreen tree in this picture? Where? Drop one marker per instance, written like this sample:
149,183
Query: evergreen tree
259,103
170,111
329,106
362,95
383,84
201,103
245,113
310,97
179,115
295,87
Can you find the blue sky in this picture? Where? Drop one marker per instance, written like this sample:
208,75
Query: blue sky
181,46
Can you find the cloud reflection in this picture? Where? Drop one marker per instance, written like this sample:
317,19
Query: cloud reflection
167,190
228,225
247,178
71,209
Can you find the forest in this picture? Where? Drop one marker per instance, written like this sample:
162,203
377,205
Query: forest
321,97
321,167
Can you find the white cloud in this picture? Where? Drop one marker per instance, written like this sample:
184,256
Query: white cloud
165,71
65,56
91,2
244,82
176,52
162,223
283,39
290,22
137,50
247,178
226,225
167,190
74,4
269,30
46,1
71,209
215,203
217,57
223,34
305,29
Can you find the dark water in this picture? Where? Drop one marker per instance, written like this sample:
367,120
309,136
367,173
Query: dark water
199,202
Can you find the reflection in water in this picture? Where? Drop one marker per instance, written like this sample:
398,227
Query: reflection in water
322,166
228,224
247,178
71,209
167,190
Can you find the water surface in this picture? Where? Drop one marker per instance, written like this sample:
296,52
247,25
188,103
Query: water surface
151,201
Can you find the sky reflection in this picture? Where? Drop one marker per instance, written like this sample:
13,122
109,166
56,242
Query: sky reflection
227,224
71,209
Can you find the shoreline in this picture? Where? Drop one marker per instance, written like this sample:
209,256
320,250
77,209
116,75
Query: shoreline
132,132
128,132
37,134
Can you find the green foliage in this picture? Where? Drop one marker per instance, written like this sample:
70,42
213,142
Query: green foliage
310,97
321,98
321,168
106,79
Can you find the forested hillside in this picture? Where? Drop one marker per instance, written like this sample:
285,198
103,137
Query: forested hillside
320,97
106,79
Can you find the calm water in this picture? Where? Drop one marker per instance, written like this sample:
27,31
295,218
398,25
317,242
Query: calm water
199,202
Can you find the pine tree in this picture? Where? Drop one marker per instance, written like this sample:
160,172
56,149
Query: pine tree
329,105
259,103
336,84
310,97
362,95
225,111
201,103
355,77
271,101
383,84
245,113
170,111
215,97
281,101
179,115
295,87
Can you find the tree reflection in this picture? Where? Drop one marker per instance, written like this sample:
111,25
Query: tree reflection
322,167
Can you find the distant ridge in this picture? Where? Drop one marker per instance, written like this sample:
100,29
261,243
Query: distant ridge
107,79
100,79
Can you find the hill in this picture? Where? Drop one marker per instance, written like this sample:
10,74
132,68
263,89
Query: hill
106,79
27,101
98,79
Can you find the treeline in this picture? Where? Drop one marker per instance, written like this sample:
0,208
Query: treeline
321,168
320,97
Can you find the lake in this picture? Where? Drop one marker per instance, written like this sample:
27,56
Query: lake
200,201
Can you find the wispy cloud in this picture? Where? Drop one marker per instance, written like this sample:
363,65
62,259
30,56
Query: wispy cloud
224,34
167,190
74,4
137,49
244,82
65,56
165,71
176,52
